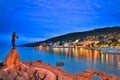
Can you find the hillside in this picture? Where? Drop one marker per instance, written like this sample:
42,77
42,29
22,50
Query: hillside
76,35
79,35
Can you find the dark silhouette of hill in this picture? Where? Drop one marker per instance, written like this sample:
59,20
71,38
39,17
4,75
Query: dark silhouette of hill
79,35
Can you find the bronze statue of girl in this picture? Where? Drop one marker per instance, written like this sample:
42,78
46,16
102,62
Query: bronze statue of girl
14,36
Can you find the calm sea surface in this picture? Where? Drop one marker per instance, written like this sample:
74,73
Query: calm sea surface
76,60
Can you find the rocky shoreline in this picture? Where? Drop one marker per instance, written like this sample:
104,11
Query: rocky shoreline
13,69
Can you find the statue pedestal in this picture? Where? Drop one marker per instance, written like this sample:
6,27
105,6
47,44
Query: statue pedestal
12,60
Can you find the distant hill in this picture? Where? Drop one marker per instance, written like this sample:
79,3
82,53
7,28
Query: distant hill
78,35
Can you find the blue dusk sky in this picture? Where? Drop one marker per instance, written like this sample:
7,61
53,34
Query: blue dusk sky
37,20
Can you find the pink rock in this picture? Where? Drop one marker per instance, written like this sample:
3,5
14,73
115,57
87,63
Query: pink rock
59,63
20,78
12,75
83,77
12,60
40,61
1,74
35,64
38,71
101,74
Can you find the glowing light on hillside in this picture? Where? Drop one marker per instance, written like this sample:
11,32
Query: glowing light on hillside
76,40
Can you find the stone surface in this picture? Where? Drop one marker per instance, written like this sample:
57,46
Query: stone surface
102,75
12,60
39,71
82,77
59,63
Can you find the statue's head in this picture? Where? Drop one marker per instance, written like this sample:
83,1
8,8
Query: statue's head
14,32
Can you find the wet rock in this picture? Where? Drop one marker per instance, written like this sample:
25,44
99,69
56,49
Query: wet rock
23,67
12,60
89,72
83,77
37,75
101,74
113,78
47,72
24,74
40,61
19,78
59,63
35,64
4,74
47,64
64,76
13,69
1,74
12,75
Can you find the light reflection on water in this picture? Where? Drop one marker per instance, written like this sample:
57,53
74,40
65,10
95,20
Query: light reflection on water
76,60
91,59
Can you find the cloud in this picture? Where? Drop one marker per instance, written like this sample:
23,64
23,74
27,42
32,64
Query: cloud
42,19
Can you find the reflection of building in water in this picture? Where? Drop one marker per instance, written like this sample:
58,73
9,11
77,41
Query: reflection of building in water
43,48
90,56
118,62
113,60
55,50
